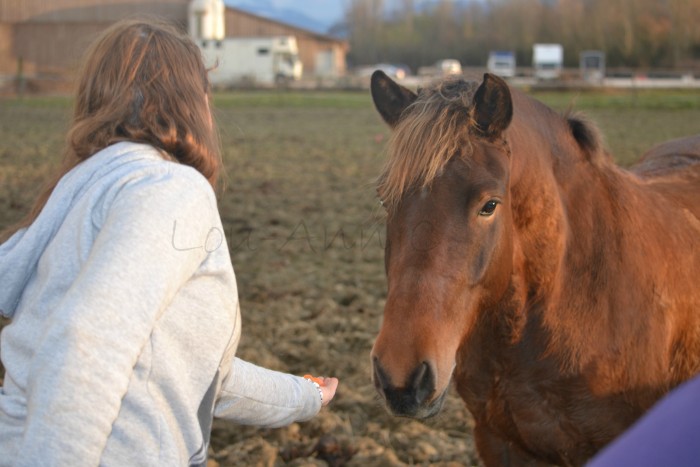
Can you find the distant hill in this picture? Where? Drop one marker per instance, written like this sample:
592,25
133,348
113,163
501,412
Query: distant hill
292,16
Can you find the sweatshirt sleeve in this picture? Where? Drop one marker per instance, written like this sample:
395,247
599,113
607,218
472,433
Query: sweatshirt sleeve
152,240
252,395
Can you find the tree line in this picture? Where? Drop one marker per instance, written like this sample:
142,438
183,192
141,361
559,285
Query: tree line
632,33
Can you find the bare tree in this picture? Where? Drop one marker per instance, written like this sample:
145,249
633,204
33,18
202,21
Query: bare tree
633,33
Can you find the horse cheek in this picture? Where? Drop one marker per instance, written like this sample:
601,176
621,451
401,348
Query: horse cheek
498,275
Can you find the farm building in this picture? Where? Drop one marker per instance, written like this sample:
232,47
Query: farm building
48,37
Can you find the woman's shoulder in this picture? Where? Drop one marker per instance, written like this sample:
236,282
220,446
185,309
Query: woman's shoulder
143,161
134,166
139,174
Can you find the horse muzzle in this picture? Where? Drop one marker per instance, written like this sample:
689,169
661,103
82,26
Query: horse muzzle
416,398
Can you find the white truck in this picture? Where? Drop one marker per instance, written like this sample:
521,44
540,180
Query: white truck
501,63
252,61
547,60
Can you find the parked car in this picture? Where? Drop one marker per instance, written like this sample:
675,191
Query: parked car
394,71
444,67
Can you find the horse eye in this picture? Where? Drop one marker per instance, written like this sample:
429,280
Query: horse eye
489,208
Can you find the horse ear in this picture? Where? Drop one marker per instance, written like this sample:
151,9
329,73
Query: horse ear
493,106
389,98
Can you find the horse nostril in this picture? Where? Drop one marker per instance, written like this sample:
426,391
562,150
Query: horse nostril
423,382
419,373
414,396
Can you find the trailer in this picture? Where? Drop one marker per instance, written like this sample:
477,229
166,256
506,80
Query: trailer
501,63
592,65
252,61
547,60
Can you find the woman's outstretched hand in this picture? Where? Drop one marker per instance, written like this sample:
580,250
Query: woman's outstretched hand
328,388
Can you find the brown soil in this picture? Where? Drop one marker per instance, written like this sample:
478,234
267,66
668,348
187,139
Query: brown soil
306,232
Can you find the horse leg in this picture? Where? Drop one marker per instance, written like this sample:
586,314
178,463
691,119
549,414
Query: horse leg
497,452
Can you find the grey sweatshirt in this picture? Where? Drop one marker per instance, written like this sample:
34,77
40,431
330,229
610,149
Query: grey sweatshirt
125,323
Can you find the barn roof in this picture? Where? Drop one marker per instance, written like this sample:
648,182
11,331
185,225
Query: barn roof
308,32
102,11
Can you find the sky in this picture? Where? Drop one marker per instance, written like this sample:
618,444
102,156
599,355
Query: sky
327,12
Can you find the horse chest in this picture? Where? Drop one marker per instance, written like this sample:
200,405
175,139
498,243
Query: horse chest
528,405
521,414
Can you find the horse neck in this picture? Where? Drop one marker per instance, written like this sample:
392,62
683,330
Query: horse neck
561,201
569,203
577,223
543,153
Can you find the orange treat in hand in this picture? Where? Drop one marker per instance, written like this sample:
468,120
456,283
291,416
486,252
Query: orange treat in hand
318,381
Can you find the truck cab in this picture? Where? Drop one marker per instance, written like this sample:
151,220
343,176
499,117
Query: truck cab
286,63
547,60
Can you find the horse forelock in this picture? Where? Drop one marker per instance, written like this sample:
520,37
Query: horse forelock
433,129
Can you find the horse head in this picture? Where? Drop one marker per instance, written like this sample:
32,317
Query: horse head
449,247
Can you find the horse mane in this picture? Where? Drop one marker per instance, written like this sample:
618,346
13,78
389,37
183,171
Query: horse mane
431,130
588,137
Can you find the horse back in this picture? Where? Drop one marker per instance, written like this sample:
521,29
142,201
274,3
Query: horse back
673,157
672,168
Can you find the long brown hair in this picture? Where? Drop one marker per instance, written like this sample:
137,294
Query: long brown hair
142,80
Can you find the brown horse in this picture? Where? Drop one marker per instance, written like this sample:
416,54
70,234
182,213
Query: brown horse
558,290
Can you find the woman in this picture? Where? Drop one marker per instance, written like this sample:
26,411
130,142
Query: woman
119,283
